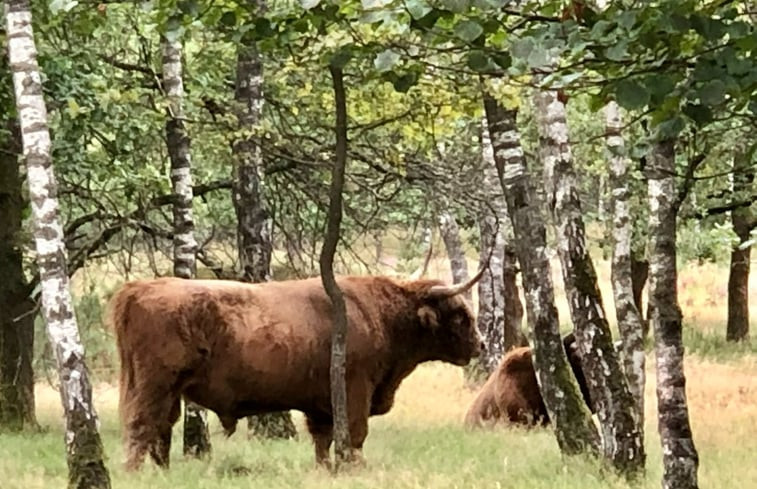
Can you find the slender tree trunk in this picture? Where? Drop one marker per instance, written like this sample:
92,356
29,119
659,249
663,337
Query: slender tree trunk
679,455
738,279
196,436
493,223
427,250
639,275
514,336
450,232
342,445
626,311
622,444
17,319
83,446
738,291
497,215
491,292
475,372
254,222
570,416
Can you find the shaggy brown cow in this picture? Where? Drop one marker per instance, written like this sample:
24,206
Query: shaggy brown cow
241,349
511,393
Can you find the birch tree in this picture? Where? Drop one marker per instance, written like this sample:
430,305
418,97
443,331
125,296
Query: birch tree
679,455
84,452
492,224
505,273
196,437
570,416
626,312
622,445
254,221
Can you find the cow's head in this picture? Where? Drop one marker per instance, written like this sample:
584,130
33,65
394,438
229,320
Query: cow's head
449,328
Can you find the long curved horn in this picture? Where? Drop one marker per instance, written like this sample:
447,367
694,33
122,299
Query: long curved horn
444,291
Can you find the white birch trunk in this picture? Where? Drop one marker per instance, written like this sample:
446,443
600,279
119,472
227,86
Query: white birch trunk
254,222
494,223
626,312
679,455
570,416
622,444
450,232
83,446
196,437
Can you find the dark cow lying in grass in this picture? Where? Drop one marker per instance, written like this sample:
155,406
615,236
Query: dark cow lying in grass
241,349
511,393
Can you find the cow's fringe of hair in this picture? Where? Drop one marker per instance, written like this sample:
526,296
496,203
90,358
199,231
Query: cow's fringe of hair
118,318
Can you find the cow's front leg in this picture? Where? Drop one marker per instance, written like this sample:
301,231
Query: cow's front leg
321,428
361,395
358,433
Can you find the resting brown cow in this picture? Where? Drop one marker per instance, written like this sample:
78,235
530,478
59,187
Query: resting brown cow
511,393
241,349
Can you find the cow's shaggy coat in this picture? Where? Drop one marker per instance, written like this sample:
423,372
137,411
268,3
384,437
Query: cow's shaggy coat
511,393
240,349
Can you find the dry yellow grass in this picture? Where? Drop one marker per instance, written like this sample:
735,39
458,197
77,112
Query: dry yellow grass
425,424
421,442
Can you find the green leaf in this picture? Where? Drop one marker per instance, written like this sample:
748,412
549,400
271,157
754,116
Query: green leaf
521,48
263,28
503,60
188,7
600,29
405,82
660,85
418,8
627,19
538,57
341,57
709,28
386,60
479,61
617,52
700,114
468,30
309,4
640,149
456,6
712,92
631,95
229,18
57,6
753,107
671,128
490,4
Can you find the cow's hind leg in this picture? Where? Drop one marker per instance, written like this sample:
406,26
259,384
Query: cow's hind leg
161,447
321,428
149,415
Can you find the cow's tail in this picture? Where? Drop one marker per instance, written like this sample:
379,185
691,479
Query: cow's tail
119,312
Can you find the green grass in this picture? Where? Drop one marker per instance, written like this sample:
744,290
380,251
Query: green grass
420,444
710,345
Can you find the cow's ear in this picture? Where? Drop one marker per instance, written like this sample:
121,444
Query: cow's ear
428,317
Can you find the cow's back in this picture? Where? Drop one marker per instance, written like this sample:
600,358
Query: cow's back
259,346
